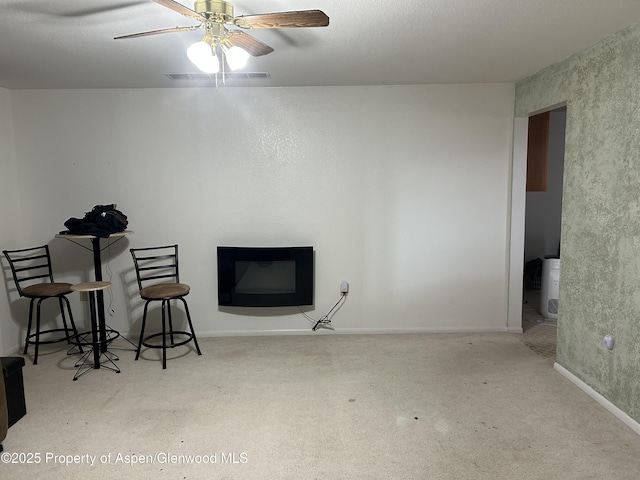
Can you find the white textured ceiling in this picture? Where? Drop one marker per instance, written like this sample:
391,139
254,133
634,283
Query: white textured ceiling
69,43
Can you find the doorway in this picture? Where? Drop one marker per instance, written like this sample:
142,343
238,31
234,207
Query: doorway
542,242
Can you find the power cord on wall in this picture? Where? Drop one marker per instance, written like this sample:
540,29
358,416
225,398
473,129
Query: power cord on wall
326,318
107,268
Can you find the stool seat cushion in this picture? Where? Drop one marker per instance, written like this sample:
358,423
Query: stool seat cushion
163,291
40,290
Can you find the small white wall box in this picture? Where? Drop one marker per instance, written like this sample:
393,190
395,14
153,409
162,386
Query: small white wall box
550,286
609,341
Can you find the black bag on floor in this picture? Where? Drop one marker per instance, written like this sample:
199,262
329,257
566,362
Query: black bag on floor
101,221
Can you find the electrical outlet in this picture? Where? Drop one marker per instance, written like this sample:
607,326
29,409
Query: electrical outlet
608,341
84,296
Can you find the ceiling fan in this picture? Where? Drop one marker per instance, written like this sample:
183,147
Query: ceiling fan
234,46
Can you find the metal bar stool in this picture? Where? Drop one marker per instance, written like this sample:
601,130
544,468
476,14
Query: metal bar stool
159,266
98,338
33,276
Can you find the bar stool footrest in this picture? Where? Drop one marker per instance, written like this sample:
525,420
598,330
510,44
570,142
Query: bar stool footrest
69,334
173,344
84,339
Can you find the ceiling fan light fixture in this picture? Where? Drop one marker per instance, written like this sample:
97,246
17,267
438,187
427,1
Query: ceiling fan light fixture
198,51
209,64
236,57
202,56
221,47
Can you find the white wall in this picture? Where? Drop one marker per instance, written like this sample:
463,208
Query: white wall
403,191
10,224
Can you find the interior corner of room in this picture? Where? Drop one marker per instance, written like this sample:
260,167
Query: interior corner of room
494,208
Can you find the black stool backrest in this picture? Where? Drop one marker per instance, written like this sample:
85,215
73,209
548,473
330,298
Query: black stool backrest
30,264
156,263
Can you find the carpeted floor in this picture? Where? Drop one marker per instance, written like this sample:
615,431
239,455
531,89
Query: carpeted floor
413,406
539,333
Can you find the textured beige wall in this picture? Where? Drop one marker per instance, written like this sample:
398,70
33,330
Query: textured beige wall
600,278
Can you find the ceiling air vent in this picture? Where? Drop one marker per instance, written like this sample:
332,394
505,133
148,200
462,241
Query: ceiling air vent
219,76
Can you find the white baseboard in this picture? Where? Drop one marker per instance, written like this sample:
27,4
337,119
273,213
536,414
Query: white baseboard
346,331
619,414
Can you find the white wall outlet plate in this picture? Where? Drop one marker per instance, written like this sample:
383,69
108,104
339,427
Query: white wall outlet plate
608,341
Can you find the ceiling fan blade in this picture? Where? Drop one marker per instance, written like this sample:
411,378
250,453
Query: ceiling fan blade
178,7
101,10
304,18
253,46
158,32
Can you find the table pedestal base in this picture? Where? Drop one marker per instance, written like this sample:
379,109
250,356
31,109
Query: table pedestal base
93,359
99,337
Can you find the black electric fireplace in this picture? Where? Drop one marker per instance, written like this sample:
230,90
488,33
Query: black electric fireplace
265,276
